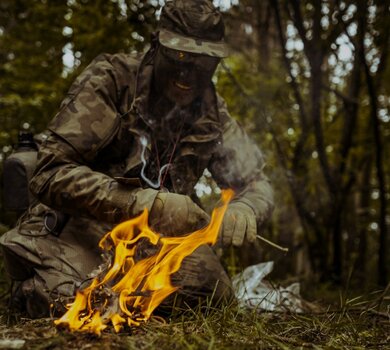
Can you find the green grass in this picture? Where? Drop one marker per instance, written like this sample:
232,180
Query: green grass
358,323
340,319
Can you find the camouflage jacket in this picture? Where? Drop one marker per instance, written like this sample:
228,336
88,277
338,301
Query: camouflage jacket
90,163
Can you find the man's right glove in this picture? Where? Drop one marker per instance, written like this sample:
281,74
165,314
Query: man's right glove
239,224
176,214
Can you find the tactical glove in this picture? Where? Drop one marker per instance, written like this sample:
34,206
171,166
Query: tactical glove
239,224
176,214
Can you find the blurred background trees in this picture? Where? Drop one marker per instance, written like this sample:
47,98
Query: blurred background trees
309,80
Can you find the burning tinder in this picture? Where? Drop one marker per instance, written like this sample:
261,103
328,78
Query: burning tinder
131,290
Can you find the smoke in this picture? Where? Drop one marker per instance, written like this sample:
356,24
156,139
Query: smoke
157,184
167,125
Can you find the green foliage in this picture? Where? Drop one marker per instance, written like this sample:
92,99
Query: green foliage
109,26
32,85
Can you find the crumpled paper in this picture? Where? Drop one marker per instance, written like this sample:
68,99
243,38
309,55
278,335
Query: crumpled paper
253,291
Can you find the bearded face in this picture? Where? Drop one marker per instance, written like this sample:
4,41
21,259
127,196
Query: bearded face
182,76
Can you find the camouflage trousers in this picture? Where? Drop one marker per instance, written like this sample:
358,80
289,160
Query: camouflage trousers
51,267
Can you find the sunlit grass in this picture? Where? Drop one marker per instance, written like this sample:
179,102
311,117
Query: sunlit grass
339,319
357,324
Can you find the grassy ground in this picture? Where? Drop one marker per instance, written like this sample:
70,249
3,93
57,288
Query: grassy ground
356,323
339,320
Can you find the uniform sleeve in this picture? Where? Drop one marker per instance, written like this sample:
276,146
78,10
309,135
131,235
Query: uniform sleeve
238,163
90,114
87,122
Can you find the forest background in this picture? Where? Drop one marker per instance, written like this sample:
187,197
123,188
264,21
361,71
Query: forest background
309,80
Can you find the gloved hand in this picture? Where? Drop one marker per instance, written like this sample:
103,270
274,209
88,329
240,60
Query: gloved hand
239,224
175,214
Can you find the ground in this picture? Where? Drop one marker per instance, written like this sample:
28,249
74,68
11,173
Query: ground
356,323
338,319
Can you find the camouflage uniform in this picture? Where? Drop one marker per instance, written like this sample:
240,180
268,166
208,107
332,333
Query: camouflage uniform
89,166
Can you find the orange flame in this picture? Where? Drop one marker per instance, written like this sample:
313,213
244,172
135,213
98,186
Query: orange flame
131,290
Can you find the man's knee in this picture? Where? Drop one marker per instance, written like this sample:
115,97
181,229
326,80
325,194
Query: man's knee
202,275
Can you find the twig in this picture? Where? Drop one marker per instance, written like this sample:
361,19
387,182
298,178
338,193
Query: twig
272,244
292,341
381,314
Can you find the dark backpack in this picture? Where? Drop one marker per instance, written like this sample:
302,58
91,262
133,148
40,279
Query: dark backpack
17,172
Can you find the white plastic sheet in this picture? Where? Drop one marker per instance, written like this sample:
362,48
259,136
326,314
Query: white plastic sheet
253,291
12,343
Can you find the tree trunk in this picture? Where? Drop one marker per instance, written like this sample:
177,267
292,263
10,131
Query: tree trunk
382,251
363,216
380,173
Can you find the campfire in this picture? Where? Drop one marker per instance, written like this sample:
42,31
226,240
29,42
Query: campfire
131,289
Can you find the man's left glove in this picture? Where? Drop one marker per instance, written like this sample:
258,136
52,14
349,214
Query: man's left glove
239,224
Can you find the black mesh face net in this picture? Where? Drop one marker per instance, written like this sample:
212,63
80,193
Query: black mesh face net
181,76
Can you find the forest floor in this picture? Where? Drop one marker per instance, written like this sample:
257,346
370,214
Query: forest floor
350,323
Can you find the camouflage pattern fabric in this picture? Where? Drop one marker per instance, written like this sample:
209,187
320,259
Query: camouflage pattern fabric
188,44
194,26
89,168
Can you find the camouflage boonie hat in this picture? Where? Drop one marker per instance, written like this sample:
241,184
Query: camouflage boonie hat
193,26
